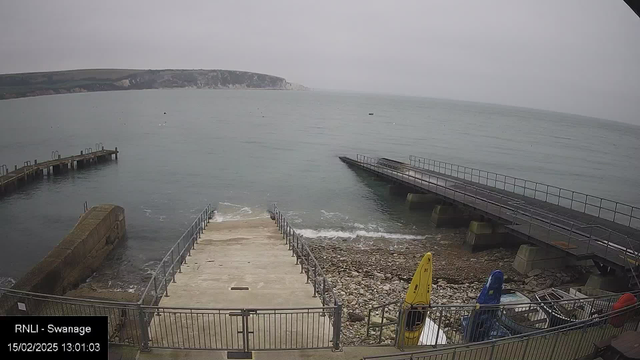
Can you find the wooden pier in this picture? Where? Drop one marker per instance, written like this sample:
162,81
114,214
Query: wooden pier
30,171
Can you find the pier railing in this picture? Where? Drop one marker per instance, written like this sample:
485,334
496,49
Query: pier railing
126,320
611,210
172,262
147,325
581,239
309,265
570,341
457,324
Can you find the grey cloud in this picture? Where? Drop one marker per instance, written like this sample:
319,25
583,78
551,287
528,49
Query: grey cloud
577,56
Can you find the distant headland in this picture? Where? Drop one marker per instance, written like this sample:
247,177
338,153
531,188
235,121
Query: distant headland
87,80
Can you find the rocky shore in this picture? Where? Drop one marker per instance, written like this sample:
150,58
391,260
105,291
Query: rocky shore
370,273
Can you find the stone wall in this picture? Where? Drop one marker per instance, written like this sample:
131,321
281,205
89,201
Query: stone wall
79,254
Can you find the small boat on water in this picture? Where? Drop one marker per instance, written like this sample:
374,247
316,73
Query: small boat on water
521,317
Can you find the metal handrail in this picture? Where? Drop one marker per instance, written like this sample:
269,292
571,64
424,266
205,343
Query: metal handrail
578,325
171,263
428,180
542,188
425,163
65,299
309,264
312,269
459,309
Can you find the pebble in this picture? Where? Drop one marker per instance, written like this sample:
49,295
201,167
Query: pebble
370,274
534,272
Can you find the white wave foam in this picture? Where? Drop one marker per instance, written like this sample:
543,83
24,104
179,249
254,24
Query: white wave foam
242,214
332,215
333,234
230,204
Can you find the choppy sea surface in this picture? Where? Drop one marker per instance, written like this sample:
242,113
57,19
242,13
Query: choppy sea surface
243,150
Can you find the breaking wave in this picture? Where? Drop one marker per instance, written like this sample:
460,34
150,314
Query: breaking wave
341,234
234,212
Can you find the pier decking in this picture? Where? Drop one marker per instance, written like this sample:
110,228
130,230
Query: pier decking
245,271
12,180
605,235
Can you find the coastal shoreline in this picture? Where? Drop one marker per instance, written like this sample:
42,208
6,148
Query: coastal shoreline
368,273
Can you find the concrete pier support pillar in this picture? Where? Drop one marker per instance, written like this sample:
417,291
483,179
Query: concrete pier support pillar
611,282
484,235
421,201
449,216
531,257
394,190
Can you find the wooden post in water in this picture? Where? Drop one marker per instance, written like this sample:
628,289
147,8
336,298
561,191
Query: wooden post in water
116,153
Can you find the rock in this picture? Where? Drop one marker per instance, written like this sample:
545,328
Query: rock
390,318
388,334
471,295
355,317
375,320
386,288
534,272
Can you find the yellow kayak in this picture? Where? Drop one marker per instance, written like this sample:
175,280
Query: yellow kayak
418,297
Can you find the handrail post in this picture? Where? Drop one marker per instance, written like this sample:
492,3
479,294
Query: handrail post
164,279
296,250
173,264
179,254
155,287
315,280
306,263
337,326
324,291
144,331
493,345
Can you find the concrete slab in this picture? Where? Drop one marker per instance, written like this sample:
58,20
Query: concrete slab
249,253
204,311
348,353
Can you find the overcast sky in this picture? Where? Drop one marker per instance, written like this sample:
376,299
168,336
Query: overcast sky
576,56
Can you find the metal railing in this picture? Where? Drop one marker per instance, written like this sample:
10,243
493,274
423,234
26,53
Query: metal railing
309,265
189,328
147,325
125,319
573,237
171,264
466,323
543,192
569,341
615,211
241,329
